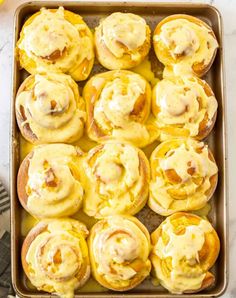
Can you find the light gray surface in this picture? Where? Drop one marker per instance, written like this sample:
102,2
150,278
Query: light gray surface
228,11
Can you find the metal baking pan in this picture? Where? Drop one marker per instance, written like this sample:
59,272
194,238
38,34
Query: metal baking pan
153,13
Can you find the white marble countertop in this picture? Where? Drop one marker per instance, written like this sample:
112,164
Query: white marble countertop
228,11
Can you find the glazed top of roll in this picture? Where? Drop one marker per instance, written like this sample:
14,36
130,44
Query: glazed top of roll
53,42
125,29
184,176
189,41
118,98
118,178
49,109
185,103
184,157
53,185
118,107
120,247
56,255
190,249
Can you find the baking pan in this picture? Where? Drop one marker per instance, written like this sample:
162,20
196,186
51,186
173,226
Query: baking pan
153,13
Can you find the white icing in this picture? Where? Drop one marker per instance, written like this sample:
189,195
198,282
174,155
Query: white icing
167,197
52,163
53,108
117,246
51,33
187,43
58,276
179,103
186,272
126,29
114,180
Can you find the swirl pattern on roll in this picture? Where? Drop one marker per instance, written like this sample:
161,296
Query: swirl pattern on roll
49,109
185,247
184,107
48,181
122,40
55,256
56,40
118,107
117,177
119,248
183,176
185,44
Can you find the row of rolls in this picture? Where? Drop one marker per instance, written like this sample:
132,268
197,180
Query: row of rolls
59,40
115,105
114,180
120,253
55,180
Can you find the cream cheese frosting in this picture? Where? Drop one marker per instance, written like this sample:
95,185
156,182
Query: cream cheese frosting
53,189
183,103
53,43
53,108
116,247
188,43
183,250
189,190
57,256
125,29
121,108
116,178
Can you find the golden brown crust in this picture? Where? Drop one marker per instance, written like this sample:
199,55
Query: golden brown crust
22,180
145,174
204,129
20,114
37,230
90,95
